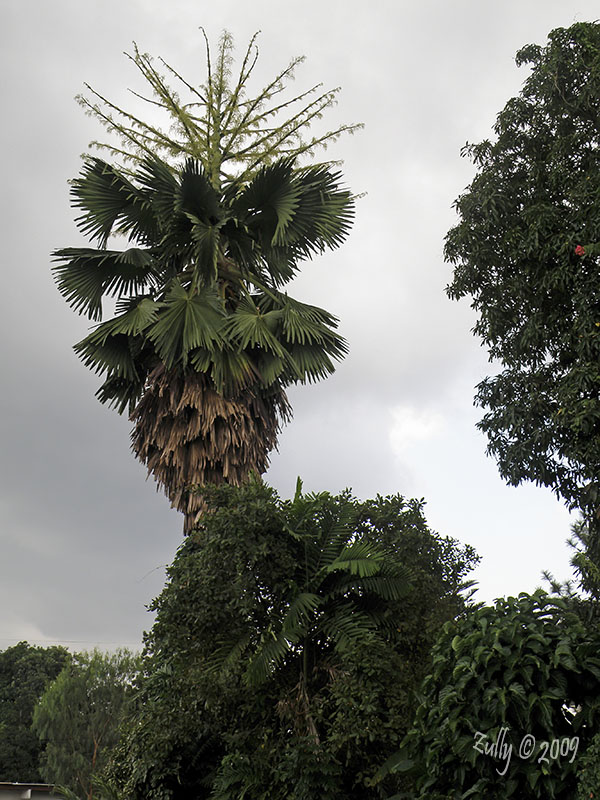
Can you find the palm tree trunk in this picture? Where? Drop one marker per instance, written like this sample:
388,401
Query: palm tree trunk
188,434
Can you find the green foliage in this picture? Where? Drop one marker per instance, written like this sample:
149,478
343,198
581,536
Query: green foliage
532,202
588,772
584,589
25,671
287,646
585,544
79,714
190,303
528,667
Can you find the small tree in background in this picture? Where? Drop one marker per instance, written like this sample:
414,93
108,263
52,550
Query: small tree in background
25,672
218,214
79,714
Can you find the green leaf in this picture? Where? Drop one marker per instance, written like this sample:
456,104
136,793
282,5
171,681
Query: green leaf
108,353
358,558
247,326
187,320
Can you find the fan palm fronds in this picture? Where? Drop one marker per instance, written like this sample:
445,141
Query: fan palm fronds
204,341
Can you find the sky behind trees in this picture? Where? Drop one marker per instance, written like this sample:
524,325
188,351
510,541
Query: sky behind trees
83,537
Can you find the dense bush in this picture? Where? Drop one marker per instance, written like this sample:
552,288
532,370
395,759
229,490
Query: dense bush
523,674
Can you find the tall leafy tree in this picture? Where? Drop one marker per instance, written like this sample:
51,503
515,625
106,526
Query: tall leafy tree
79,714
216,215
25,672
526,251
286,648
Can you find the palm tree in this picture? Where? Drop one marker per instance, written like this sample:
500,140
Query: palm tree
204,341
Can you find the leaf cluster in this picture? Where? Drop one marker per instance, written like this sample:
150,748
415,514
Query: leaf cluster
198,288
588,772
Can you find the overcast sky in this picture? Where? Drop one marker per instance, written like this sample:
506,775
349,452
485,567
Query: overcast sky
84,538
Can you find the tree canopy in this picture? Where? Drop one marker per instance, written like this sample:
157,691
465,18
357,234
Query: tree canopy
78,717
526,251
286,648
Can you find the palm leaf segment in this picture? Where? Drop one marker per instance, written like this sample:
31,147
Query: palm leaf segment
204,341
343,589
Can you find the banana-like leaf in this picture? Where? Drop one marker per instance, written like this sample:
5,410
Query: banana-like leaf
187,320
298,491
359,558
